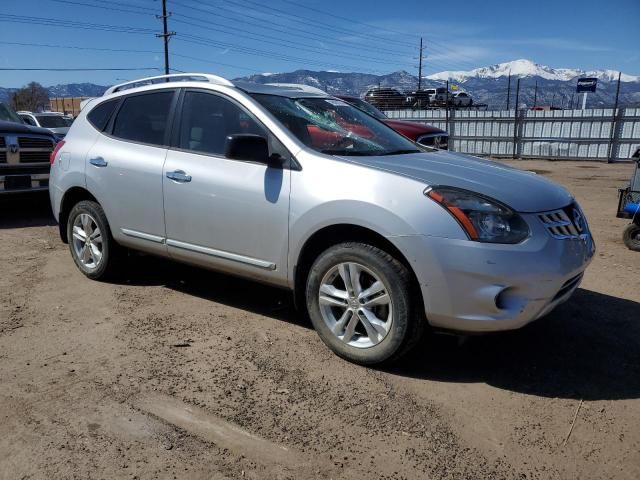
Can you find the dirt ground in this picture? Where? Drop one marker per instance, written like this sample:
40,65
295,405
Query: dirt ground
175,372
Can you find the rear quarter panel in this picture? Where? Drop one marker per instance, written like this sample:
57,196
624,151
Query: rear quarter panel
68,170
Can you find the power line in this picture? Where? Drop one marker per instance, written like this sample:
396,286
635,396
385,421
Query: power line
105,7
57,22
121,50
55,69
297,46
315,23
197,40
350,20
74,47
288,29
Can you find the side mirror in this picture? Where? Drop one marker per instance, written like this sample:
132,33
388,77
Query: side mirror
248,147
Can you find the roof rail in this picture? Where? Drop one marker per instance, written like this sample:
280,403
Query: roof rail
174,77
298,86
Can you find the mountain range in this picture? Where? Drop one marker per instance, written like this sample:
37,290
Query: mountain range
487,85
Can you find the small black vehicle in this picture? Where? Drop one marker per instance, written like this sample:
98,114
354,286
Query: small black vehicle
385,98
629,207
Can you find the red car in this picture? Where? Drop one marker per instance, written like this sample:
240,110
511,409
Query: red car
418,132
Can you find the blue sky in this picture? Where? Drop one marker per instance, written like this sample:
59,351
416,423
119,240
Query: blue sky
239,37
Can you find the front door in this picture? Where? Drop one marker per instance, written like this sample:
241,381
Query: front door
228,214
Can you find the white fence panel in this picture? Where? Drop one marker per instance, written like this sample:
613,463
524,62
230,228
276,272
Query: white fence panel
590,134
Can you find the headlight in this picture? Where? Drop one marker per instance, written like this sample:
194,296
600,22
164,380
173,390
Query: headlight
482,218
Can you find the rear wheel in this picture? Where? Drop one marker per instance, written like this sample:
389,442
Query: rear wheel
631,237
92,247
361,303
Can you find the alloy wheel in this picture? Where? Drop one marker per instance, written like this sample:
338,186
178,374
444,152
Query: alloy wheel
87,241
355,305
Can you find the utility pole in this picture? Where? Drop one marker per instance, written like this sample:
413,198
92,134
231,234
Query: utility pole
509,90
165,35
420,66
535,95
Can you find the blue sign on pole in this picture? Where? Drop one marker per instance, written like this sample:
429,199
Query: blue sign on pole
586,84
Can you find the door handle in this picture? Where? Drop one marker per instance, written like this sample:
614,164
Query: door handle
179,176
98,162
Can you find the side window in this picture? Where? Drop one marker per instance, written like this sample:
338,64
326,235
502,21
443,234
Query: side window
28,121
143,118
100,115
207,119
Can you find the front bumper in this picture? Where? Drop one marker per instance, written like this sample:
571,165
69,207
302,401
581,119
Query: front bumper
478,287
22,182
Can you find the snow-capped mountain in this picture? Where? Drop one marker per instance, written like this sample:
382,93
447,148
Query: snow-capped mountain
527,68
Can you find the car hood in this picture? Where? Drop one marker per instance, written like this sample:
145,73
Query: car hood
521,190
18,128
414,129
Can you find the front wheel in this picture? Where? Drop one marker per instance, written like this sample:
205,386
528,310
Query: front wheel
631,237
361,302
92,247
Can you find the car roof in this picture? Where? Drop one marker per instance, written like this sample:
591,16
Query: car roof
291,90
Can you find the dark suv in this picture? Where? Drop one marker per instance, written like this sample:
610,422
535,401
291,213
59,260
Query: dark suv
387,98
24,154
418,132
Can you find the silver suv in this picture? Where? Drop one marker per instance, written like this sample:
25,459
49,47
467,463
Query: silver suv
378,237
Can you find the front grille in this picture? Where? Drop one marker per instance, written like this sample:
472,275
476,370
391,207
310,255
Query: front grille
3,157
29,157
568,286
24,169
434,140
564,223
30,142
2,142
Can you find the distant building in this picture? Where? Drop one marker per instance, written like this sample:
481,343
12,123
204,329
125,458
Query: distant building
66,105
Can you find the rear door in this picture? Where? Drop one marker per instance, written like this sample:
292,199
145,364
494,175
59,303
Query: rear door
124,169
228,214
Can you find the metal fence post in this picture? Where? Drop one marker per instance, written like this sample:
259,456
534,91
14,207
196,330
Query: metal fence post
446,106
616,134
614,122
515,121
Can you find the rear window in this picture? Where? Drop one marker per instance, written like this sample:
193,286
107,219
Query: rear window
53,121
143,118
99,116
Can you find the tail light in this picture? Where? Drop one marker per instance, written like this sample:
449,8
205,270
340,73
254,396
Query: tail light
52,155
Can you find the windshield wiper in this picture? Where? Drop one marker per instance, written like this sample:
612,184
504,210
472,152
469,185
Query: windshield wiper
346,153
401,152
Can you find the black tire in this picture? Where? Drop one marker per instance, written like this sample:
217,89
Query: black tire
107,266
631,237
408,320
